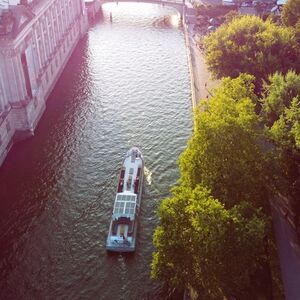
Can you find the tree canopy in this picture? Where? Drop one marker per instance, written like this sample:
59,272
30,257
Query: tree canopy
281,109
250,45
291,12
223,153
199,243
213,230
281,117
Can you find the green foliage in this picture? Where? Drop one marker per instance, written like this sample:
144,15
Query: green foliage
291,12
223,153
297,32
281,110
213,234
201,244
250,45
281,116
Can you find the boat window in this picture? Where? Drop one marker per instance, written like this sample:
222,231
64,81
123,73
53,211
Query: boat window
126,198
125,204
119,207
129,209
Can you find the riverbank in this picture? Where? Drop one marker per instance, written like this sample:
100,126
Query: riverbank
288,248
201,79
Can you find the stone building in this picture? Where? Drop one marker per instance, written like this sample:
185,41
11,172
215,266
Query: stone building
37,38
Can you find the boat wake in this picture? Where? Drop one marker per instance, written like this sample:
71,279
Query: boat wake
148,175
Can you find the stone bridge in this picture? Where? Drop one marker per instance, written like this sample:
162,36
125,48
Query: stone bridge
179,5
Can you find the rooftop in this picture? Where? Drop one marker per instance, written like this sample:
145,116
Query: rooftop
124,204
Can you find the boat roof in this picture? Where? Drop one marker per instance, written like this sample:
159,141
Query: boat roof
124,205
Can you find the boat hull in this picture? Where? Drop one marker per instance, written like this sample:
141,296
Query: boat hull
123,226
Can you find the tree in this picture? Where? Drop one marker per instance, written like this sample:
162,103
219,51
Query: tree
281,116
281,109
291,12
223,153
250,45
199,243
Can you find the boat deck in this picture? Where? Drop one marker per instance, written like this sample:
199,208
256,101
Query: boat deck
130,174
122,232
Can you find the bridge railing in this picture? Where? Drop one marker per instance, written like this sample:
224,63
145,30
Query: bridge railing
179,2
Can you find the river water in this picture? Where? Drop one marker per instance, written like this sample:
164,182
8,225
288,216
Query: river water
126,84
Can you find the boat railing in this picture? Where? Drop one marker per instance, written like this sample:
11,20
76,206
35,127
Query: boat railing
130,228
137,181
136,185
121,181
138,172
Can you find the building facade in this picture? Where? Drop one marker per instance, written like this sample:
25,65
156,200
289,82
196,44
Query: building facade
37,38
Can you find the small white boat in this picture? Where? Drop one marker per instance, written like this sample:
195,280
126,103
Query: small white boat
123,226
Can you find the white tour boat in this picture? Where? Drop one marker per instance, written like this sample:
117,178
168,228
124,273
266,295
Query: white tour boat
123,225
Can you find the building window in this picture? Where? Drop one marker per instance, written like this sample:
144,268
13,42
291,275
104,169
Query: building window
8,126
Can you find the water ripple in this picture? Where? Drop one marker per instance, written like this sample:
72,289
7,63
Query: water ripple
126,84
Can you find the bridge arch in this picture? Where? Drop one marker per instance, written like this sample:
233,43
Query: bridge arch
179,5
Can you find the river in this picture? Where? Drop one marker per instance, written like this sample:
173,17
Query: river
126,84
